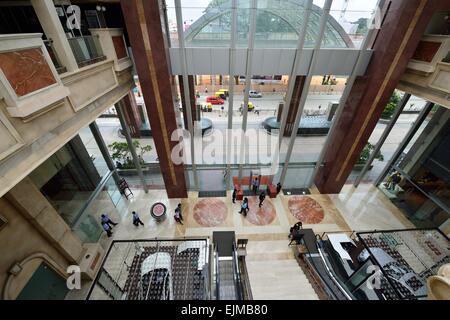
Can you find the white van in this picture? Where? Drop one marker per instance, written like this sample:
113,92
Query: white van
254,94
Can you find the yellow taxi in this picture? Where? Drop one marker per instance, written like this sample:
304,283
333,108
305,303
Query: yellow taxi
225,91
220,94
251,107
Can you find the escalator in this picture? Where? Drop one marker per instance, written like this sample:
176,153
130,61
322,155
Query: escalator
231,280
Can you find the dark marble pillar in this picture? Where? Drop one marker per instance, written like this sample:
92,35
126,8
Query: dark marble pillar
192,98
132,115
293,107
150,50
395,43
83,171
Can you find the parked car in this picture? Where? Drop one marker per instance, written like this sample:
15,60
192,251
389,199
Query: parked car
215,100
255,94
225,91
221,95
251,107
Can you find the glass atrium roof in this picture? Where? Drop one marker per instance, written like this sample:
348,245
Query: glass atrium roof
278,25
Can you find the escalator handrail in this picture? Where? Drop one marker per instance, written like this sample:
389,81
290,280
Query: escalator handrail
216,270
332,276
329,273
237,275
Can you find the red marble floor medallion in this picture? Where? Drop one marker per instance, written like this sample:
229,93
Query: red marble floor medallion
261,216
210,212
306,209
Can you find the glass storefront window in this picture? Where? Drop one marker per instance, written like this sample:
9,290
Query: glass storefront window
93,150
71,182
418,180
416,204
298,176
67,179
107,201
393,140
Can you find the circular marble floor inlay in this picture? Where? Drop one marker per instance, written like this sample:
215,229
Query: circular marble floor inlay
306,209
210,212
260,216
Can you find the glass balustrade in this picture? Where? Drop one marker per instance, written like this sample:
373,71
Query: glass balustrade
53,55
87,50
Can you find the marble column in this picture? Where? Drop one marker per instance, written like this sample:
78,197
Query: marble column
403,26
150,50
195,114
293,107
132,115
48,17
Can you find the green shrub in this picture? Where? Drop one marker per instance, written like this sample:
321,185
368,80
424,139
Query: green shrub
391,106
367,151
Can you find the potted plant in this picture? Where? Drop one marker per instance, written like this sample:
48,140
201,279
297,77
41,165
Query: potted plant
121,154
365,154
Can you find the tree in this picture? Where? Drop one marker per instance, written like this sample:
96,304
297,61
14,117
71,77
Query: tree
121,153
362,26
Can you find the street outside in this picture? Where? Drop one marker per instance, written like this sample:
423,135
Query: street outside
306,148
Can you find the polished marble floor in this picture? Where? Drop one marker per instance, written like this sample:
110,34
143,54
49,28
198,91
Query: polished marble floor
269,257
361,209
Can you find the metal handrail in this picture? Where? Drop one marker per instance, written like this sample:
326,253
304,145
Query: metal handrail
329,273
216,271
237,275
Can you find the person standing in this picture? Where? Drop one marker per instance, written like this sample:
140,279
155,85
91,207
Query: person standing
105,219
178,217
233,196
255,185
262,197
244,207
136,220
107,229
278,187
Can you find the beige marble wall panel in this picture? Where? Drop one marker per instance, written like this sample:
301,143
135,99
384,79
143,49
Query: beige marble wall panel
90,83
20,239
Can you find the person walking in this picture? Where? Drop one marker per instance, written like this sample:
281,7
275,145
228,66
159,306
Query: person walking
244,207
255,185
136,220
105,219
178,217
233,196
262,197
107,229
278,187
